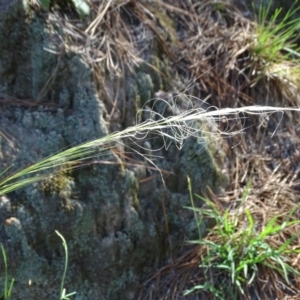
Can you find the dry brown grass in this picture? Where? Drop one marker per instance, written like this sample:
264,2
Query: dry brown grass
216,46
211,39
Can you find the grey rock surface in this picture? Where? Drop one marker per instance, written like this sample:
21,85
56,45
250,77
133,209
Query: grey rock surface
113,217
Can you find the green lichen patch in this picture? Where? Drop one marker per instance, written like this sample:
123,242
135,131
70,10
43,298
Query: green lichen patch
56,183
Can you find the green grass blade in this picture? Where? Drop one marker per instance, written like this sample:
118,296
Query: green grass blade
193,206
7,290
62,289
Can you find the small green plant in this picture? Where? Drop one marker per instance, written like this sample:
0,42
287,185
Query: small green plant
237,249
275,38
63,295
7,290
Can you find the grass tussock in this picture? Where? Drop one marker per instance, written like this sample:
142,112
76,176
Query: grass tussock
251,251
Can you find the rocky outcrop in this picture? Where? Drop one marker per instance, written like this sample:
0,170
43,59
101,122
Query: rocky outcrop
118,218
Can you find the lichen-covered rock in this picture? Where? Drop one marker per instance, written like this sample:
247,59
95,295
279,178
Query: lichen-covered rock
119,222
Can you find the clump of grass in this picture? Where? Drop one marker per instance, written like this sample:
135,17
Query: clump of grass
238,251
275,38
7,289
